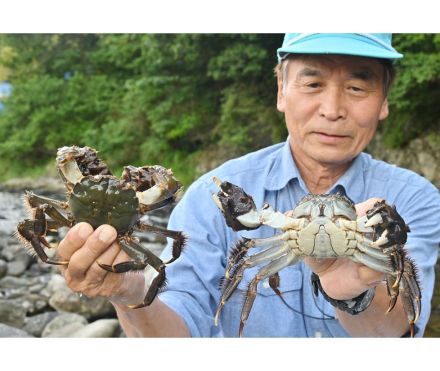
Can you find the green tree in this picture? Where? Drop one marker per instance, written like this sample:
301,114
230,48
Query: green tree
186,101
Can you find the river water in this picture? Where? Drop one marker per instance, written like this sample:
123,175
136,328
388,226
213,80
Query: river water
12,211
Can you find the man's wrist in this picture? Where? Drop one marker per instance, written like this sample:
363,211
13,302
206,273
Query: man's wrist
352,306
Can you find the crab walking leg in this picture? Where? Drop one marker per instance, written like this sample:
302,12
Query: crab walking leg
373,263
135,250
374,252
32,232
241,248
49,207
267,271
141,257
412,296
178,237
231,283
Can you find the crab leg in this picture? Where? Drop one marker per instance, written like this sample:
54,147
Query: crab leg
32,233
267,271
178,237
231,280
135,251
412,296
243,245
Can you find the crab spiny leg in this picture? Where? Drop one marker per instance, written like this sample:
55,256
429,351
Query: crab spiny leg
372,262
393,292
135,250
32,232
141,255
413,287
178,237
397,259
240,250
274,283
267,271
49,206
231,282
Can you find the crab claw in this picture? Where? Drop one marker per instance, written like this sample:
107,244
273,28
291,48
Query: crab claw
237,206
391,222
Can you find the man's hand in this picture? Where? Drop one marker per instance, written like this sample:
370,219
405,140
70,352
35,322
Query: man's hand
84,248
343,279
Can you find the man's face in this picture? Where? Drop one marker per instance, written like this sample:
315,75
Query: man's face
332,106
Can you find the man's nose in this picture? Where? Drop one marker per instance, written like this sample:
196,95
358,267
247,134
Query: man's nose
333,105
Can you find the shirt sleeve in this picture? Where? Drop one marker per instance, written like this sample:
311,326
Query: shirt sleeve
192,289
421,211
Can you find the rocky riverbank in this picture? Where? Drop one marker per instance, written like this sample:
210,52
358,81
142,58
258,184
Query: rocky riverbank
34,299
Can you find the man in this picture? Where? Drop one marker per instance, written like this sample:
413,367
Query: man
332,89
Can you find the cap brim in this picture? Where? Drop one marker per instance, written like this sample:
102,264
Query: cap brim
339,45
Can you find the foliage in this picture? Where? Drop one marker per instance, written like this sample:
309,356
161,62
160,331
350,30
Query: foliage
186,101
415,95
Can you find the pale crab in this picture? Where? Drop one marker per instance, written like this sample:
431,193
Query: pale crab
320,226
97,197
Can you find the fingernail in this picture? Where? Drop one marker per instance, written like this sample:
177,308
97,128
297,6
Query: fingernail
84,231
106,235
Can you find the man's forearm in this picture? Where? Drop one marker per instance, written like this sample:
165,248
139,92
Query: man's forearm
156,320
374,322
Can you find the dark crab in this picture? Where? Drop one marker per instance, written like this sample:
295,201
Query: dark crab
320,226
97,197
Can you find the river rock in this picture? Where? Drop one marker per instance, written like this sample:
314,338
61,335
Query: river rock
3,268
63,325
12,313
65,300
17,267
102,328
12,332
65,332
35,324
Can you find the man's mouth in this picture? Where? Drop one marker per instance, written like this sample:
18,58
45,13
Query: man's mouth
330,138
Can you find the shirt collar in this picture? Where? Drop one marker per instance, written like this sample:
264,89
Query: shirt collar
283,169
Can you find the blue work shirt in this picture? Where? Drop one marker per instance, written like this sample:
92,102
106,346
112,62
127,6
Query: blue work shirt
270,175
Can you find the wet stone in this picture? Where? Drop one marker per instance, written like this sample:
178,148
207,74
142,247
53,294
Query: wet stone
12,313
12,332
102,328
16,268
3,268
35,324
64,324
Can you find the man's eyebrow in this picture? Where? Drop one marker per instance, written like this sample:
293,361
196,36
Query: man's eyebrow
308,72
365,75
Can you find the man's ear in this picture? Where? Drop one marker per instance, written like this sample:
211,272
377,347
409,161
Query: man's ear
383,114
280,95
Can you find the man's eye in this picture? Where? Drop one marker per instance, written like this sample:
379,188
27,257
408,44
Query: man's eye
314,85
356,89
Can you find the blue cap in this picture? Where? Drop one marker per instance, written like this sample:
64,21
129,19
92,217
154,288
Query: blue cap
376,45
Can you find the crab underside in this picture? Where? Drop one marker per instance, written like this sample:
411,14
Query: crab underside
320,226
97,197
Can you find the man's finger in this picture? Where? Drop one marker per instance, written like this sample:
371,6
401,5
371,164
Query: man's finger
95,245
95,274
363,207
74,240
